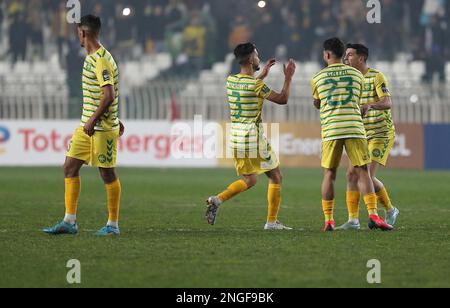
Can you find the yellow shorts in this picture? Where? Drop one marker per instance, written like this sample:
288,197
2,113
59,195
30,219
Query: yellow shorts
357,151
261,163
100,150
380,149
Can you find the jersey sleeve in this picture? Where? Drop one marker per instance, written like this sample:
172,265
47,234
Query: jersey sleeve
104,72
382,86
315,92
261,89
362,80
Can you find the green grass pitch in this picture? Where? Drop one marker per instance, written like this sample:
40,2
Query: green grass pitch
167,243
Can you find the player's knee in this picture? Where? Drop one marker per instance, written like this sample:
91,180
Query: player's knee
70,171
108,175
277,178
352,176
251,181
331,174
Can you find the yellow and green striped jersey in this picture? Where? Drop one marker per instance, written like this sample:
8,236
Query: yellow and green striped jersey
339,88
100,70
246,96
378,123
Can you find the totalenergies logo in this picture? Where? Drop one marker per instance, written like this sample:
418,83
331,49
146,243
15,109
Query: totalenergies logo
4,137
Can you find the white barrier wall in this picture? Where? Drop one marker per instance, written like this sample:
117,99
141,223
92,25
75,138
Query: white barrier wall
149,144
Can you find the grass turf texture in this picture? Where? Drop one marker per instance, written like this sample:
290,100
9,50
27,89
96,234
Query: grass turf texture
167,243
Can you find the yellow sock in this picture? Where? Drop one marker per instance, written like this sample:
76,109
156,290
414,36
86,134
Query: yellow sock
371,202
274,197
113,192
383,197
233,190
353,204
72,194
328,209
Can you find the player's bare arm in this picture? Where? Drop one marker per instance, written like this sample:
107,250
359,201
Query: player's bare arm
283,97
107,100
266,70
384,104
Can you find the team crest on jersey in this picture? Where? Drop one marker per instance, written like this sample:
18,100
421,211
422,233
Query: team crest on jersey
384,88
106,76
102,159
376,153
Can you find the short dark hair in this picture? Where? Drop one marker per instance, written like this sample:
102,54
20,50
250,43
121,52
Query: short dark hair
92,23
360,50
336,46
243,52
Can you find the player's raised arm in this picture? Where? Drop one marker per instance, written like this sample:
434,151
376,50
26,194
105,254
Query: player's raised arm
265,72
283,97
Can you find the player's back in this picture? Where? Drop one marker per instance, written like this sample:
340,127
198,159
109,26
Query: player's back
246,98
339,89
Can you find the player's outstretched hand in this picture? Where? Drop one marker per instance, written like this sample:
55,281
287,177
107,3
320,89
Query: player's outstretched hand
266,70
289,69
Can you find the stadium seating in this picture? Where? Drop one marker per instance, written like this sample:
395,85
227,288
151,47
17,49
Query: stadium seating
417,70
447,72
415,101
24,80
47,82
138,73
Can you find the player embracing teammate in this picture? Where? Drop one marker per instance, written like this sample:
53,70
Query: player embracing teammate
338,90
376,105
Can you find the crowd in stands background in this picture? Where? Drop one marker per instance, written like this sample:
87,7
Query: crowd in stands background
198,33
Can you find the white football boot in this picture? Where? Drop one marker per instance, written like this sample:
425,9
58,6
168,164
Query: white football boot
349,225
276,226
392,216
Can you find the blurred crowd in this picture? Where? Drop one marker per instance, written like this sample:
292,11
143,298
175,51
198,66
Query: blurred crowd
200,32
